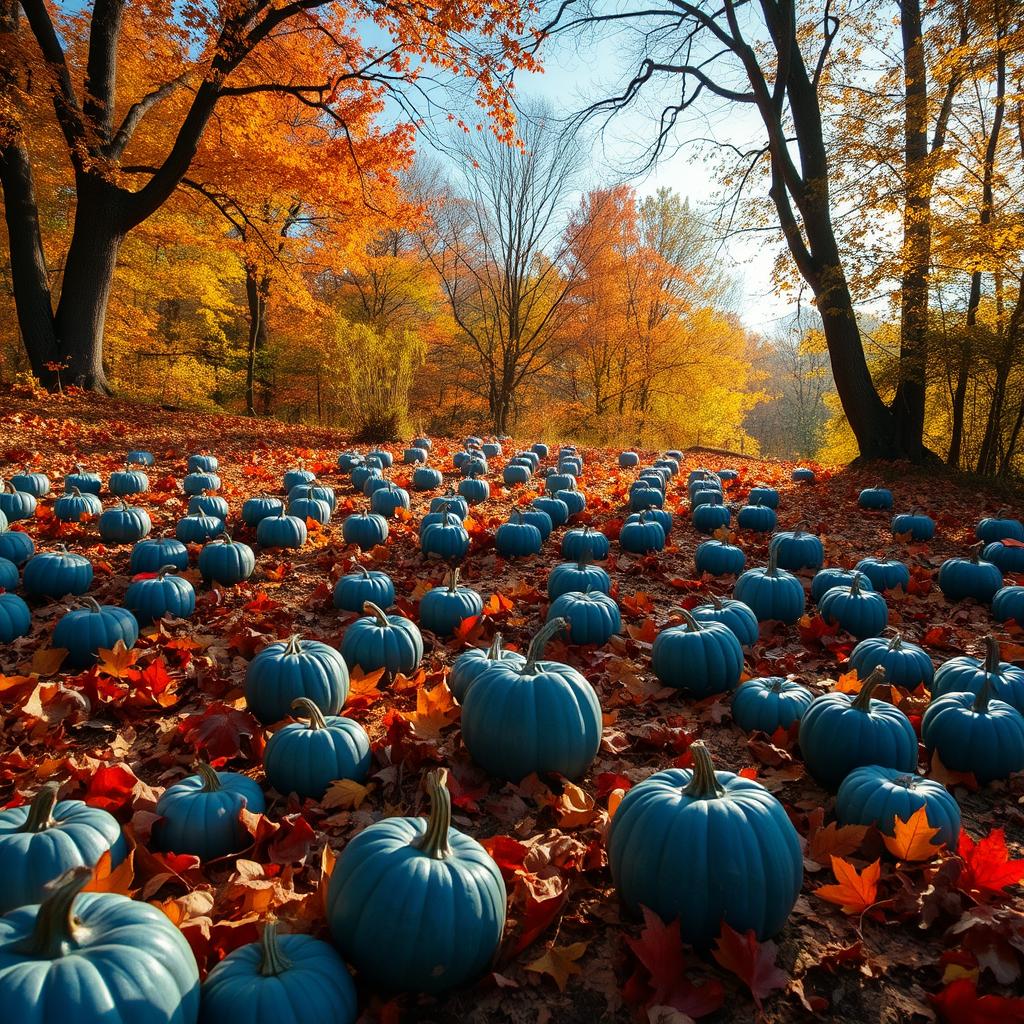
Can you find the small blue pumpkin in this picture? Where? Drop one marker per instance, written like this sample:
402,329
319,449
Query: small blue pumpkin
1008,605
352,591
969,675
306,759
1007,556
640,535
15,504
803,475
840,732
758,518
862,613
559,482
36,484
709,518
661,516
471,664
877,796
378,640
905,663
719,558
198,528
760,494
309,507
593,617
667,464
450,502
706,496
388,500
797,549
885,573
577,576
697,658
999,527
769,703
76,506
540,449
474,490
574,501
771,593
386,459
128,481
728,474
737,616
365,530
83,631
516,473
151,555
288,669
149,600
585,541
197,483
530,457
199,815
202,463
443,608
281,531
296,476
641,498
16,546
445,537
422,442
124,524
317,490
557,510
208,505
915,525
474,464
698,475
426,478
875,498
539,518
361,473
414,456
86,482
15,618
491,449
137,457
255,510
627,460
56,573
517,539
226,561
826,579
675,454
374,484
9,577
688,817
961,578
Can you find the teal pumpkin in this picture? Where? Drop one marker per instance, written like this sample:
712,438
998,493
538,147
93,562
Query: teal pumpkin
199,815
803,475
15,618
87,483
281,531
975,733
212,505
139,458
862,613
202,463
918,526
492,449
347,461
474,490
414,905
539,518
706,496
149,600
386,459
697,658
362,473
279,979
306,759
825,579
516,473
734,614
875,498
390,642
708,518
587,542
970,675
83,631
1008,605
642,497
445,537
718,558
309,507
365,530
840,732
556,509
414,456
884,573
961,578
541,716
198,528
352,591
16,546
124,524
128,481
762,495
574,501
471,664
150,555
386,501
531,457
9,577
255,510
426,478
797,549
593,617
554,482
41,840
727,475
517,539
299,475
769,703
95,957
540,449
57,573
226,561
640,535
15,504
450,502
577,576
76,506
627,460
444,608
422,442
289,669
877,796
1007,555
905,663
36,484
771,593
999,527
742,855
757,518
662,517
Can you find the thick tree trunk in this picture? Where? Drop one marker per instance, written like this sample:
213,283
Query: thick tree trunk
256,292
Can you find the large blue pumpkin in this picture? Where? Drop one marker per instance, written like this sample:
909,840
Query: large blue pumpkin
365,530
422,442
226,561
426,478
539,449
797,549
862,613
300,475
198,528
255,510
771,593
86,482
56,573
199,815
212,505
559,482
585,542
877,796
734,614
999,527
578,576
875,498
353,590
970,675
539,518
306,759
386,501
516,538
916,525
769,703
15,618
386,459
361,473
719,558
128,481
414,456
885,573
574,501
1008,605
76,506
390,642
516,473
593,617
709,518
471,664
557,510
706,496
698,658
151,555
149,600
16,546
289,669
474,490
443,928
641,498
15,504
960,578
124,524
758,518
541,716
840,732
83,631
445,537
444,608
905,663
278,979
1009,557
95,957
640,535
374,484
309,507
825,579
281,531
705,847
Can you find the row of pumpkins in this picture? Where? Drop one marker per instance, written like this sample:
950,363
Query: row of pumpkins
416,905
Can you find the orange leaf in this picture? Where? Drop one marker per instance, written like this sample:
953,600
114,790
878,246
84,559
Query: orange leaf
913,839
435,711
848,682
117,880
855,891
48,660
118,661
559,962
575,807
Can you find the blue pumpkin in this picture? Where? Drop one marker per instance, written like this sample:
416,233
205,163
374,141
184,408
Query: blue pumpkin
574,501
95,957
361,473
445,930
139,458
885,573
797,549
737,616
760,494
124,524
388,500
697,658
539,518
516,538
640,535
414,456
531,457
593,617
862,613
15,618
319,491
352,591
877,796
198,528
1007,556
516,473
559,482
450,502
875,498
840,732
443,608
289,669
585,542
728,474
825,579
76,506
149,600
208,505
374,484
202,463
675,454
9,577
706,496
905,663
557,510
541,716
975,733
255,510
56,573
668,464
915,525
128,481
471,664
15,504
152,555
226,561
83,631
309,507
970,675
422,442
700,476
474,464
41,840
365,530
199,815
758,518
1008,605
299,475
540,449
577,576
627,460
682,817
16,546
803,475
641,498
474,490
280,978
426,478
36,484
200,483
999,527
771,593
306,759
660,516
281,531
719,558
961,578
87,483
709,518
769,703
386,459
445,537
373,462
390,642
491,449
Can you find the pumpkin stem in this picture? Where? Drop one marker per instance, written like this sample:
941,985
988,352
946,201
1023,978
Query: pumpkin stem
773,561
364,571
225,537
75,492
691,624
54,933
980,706
540,639
777,684
494,651
704,783
993,656
310,711
272,961
124,505
164,570
976,551
211,781
855,585
293,645
434,841
715,601
453,579
91,603
79,468
896,643
40,811
377,612
862,702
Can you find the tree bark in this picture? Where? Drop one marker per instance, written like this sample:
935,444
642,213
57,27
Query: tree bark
257,288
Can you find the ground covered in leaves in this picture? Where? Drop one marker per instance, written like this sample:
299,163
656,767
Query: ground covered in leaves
876,934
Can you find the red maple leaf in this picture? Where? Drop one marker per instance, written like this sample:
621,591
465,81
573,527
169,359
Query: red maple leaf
221,731
507,853
111,787
987,869
751,961
959,1003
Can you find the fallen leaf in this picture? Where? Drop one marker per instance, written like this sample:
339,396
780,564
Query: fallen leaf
913,839
751,961
344,795
987,867
855,892
559,962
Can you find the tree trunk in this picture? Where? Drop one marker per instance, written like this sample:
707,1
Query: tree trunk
987,457
256,291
